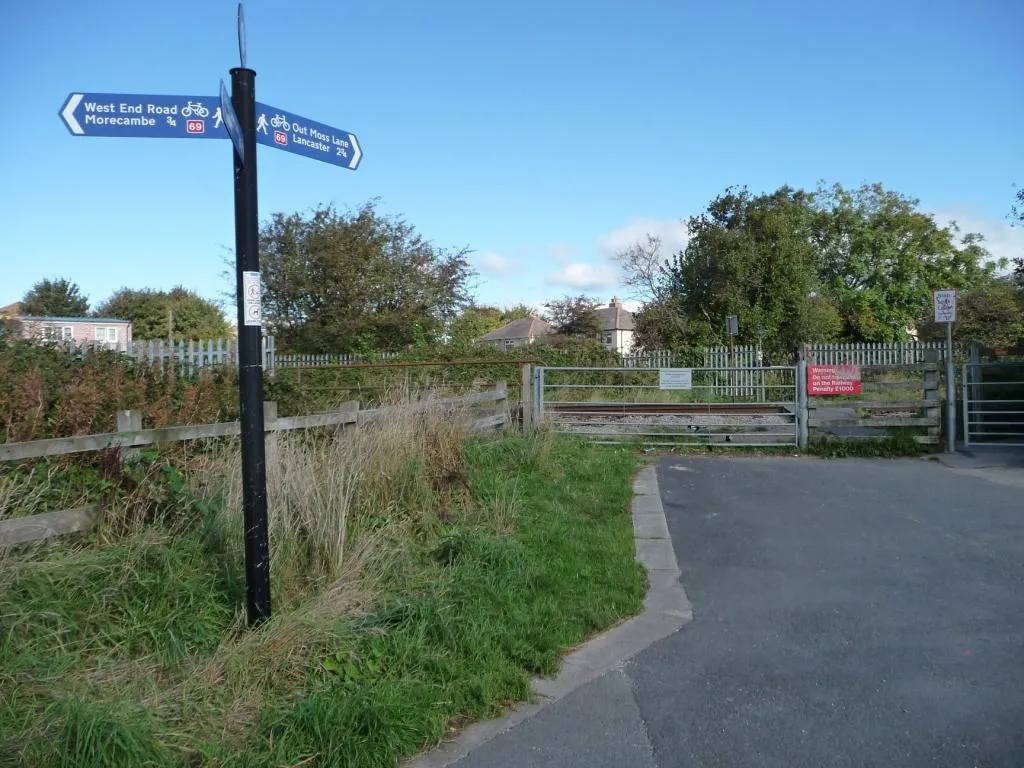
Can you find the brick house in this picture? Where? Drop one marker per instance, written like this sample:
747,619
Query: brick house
109,332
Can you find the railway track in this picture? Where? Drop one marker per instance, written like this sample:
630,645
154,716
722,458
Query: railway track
664,409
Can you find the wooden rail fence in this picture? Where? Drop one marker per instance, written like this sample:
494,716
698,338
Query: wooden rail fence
22,530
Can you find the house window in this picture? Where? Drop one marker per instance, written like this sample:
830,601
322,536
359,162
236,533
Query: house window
106,335
509,343
608,338
58,333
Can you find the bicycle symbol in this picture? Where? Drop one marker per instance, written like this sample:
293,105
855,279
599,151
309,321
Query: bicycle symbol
194,108
280,121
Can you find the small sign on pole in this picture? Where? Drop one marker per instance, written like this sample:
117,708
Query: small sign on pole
675,378
945,306
732,325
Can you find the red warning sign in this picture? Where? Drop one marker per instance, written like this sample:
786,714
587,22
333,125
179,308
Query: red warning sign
833,380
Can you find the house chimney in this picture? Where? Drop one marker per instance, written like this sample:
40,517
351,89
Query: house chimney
615,302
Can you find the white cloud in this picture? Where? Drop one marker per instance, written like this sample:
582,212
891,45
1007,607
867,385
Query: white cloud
672,233
632,305
496,265
1001,240
582,275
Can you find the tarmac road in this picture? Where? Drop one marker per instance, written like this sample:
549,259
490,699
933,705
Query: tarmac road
846,613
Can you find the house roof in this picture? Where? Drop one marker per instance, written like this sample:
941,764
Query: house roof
614,317
81,320
11,310
520,329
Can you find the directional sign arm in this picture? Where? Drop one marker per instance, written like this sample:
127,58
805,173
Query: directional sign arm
302,136
130,115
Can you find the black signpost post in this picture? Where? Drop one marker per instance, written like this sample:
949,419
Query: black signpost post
250,351
246,123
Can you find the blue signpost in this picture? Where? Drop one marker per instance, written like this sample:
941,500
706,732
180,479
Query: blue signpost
294,133
246,122
128,115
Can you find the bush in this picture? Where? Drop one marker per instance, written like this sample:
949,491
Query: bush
49,391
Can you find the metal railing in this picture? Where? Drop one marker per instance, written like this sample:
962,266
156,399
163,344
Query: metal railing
713,406
993,403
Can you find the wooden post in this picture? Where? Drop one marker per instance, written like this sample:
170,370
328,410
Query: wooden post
501,402
526,397
129,421
269,415
349,406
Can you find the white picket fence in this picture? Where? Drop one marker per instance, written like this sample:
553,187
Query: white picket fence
908,353
748,356
751,356
188,357
296,361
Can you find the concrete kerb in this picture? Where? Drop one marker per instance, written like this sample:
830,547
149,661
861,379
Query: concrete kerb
666,610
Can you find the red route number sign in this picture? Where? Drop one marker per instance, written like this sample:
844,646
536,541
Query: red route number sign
833,380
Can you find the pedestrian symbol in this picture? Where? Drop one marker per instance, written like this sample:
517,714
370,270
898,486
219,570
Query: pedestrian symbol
261,124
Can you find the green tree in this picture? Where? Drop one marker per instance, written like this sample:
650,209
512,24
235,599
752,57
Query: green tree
55,298
991,313
801,267
343,282
574,316
516,312
750,256
178,314
880,259
473,322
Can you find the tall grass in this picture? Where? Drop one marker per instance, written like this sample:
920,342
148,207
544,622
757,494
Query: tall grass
419,578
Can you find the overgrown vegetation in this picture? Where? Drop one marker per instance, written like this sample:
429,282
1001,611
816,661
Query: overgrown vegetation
49,391
900,443
419,580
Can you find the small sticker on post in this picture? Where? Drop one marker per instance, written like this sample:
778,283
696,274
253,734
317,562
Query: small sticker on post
252,305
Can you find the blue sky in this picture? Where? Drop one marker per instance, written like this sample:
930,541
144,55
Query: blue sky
543,135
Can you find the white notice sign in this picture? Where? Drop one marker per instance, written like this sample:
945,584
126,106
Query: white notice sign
675,378
945,306
252,305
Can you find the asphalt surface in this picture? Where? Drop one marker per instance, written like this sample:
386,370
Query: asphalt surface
846,613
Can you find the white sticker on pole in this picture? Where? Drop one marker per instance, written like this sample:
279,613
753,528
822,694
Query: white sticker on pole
252,305
945,306
675,378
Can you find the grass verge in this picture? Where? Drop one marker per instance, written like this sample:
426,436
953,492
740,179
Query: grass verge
899,443
420,580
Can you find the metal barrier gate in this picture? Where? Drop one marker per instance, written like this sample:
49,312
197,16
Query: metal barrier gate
752,407
993,403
